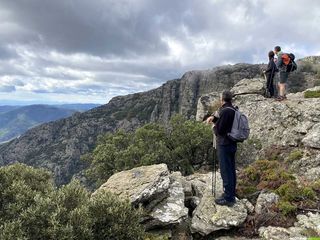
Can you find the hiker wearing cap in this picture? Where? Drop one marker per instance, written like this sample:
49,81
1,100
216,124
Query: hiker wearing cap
269,73
223,120
283,74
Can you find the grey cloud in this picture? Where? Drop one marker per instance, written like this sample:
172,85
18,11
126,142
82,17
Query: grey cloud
7,88
110,46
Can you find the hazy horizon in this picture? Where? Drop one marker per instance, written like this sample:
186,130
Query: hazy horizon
69,51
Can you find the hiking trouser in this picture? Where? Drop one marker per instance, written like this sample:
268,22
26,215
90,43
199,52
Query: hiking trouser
226,154
270,84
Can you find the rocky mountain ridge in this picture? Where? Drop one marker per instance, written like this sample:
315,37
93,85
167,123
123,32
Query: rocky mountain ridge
59,145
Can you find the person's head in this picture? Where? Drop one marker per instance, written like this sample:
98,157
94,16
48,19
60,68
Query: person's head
271,54
226,97
277,49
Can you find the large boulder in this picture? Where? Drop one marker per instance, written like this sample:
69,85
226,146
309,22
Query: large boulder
312,139
249,86
308,166
140,185
171,210
207,104
209,217
161,194
265,201
202,183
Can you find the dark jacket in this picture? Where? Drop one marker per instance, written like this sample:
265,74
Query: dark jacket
223,124
272,68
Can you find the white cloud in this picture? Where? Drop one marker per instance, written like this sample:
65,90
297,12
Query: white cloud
97,50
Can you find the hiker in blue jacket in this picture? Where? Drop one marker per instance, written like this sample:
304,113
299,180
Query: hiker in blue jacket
226,147
270,72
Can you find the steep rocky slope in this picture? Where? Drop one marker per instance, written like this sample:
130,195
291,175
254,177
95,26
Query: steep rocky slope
275,126
59,145
287,132
181,207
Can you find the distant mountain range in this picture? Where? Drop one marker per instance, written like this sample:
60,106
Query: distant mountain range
16,120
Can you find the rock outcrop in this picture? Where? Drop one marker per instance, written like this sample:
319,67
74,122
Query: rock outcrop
308,224
209,217
140,185
286,124
152,187
164,196
266,201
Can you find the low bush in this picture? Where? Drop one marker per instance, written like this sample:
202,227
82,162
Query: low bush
274,176
312,94
31,207
294,155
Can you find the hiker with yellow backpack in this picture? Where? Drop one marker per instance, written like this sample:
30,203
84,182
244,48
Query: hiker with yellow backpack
285,64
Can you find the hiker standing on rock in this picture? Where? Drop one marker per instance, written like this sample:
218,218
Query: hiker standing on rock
270,72
282,73
226,147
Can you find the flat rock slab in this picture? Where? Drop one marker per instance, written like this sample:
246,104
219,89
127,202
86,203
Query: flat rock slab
172,209
139,185
209,217
250,86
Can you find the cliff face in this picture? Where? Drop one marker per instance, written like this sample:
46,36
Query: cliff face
58,145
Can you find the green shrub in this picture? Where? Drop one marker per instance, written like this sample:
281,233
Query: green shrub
317,82
262,174
286,207
312,94
294,155
114,219
306,67
182,145
33,208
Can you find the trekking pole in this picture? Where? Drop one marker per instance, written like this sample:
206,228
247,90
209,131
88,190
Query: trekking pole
214,173
267,86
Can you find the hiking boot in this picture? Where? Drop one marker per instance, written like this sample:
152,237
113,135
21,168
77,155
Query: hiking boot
280,98
224,202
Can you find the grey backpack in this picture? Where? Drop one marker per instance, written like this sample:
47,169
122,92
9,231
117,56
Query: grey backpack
240,128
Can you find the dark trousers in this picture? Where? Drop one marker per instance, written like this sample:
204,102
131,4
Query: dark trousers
226,154
270,85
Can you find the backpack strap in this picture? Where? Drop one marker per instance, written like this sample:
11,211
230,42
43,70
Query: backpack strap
234,109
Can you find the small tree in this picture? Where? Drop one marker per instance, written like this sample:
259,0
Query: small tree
183,145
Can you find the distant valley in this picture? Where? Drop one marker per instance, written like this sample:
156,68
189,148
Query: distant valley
16,120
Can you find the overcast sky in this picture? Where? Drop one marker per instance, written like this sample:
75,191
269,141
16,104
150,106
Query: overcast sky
90,51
